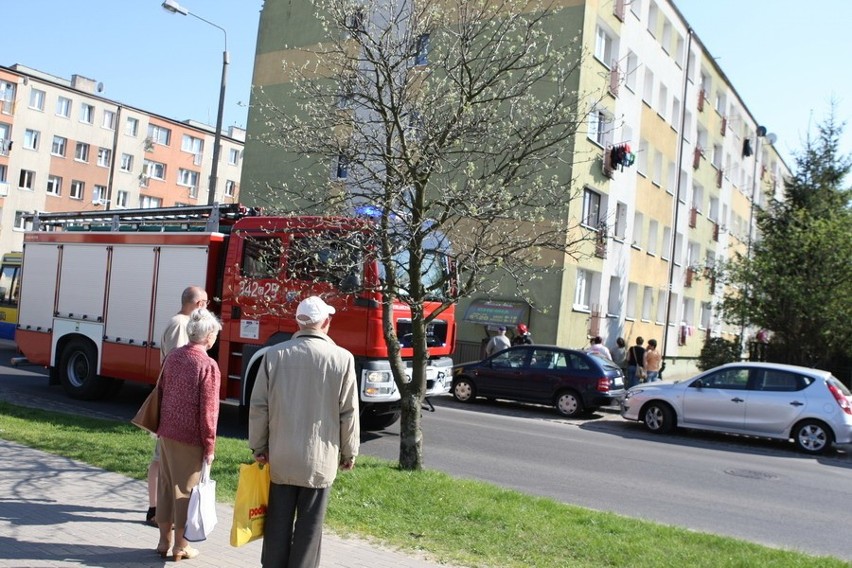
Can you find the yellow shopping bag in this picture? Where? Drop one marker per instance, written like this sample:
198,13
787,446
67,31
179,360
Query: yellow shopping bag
250,504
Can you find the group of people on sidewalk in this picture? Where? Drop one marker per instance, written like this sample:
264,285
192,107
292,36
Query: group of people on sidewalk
303,423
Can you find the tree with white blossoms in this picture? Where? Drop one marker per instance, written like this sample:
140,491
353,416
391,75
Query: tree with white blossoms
454,122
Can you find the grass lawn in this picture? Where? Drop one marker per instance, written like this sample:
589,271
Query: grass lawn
462,522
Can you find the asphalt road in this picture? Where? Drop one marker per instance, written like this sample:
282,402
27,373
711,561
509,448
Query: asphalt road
757,490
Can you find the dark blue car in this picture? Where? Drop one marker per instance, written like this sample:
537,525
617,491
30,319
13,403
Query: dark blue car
572,381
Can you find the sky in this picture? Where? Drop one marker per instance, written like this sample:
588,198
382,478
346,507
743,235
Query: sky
786,60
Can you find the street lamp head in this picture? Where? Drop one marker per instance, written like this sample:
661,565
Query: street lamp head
175,8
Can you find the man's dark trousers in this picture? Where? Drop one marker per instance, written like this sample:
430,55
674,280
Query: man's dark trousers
289,544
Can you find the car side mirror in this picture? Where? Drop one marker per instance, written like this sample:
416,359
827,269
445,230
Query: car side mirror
697,384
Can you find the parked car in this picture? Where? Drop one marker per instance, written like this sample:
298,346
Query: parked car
573,381
767,400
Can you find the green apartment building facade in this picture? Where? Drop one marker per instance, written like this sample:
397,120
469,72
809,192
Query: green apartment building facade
668,170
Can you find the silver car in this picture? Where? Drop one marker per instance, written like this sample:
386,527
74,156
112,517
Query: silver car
757,399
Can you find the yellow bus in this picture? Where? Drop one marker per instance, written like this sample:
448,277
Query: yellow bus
10,286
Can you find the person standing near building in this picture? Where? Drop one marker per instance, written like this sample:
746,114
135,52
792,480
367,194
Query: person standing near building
653,361
635,361
497,343
598,347
619,355
303,422
174,336
522,336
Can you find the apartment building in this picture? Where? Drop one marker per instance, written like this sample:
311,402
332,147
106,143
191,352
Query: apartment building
679,161
63,147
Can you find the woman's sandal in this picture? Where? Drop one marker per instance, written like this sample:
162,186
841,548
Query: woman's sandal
185,553
164,551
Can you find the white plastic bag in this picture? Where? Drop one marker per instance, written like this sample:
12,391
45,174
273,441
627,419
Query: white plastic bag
201,516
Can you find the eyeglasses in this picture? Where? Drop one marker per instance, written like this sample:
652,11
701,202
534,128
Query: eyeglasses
206,302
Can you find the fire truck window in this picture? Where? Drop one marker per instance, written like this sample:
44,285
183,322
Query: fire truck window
261,257
318,259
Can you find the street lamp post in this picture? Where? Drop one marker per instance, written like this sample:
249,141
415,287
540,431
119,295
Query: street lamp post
176,8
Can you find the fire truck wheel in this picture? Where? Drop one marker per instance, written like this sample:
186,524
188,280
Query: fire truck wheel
372,422
78,370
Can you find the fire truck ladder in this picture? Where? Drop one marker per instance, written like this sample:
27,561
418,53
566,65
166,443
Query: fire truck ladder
206,218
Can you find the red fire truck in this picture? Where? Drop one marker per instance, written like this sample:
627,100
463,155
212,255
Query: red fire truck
99,287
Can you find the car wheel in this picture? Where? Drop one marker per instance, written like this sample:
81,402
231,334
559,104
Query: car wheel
464,390
658,417
78,371
812,436
569,404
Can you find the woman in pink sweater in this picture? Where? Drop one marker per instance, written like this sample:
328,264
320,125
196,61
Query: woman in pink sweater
189,411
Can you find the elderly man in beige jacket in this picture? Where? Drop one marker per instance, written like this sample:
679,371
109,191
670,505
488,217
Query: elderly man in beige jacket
303,422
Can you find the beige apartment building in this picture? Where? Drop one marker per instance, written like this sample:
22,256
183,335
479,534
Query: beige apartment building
63,147
680,163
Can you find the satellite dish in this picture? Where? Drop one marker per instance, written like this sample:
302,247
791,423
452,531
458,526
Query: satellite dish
100,87
761,131
771,138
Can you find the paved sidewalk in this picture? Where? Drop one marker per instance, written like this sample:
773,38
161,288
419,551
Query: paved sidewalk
57,512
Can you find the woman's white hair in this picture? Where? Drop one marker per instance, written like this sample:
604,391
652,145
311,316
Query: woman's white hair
201,324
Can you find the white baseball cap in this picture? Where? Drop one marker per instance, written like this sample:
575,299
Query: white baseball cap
313,310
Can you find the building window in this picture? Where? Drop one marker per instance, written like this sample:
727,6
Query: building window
652,18
636,8
147,202
706,313
31,138
87,113
81,152
661,306
131,127
631,71
154,170
37,99
653,227
104,157
3,171
159,135
638,222
422,56
26,180
59,146
585,290
191,144
603,46
630,310
54,185
648,92
667,243
21,223
7,97
188,178
109,120
342,167
614,300
657,174
599,131
63,107
121,199
620,221
647,303
230,188
99,194
642,158
78,189
233,156
591,208
126,163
